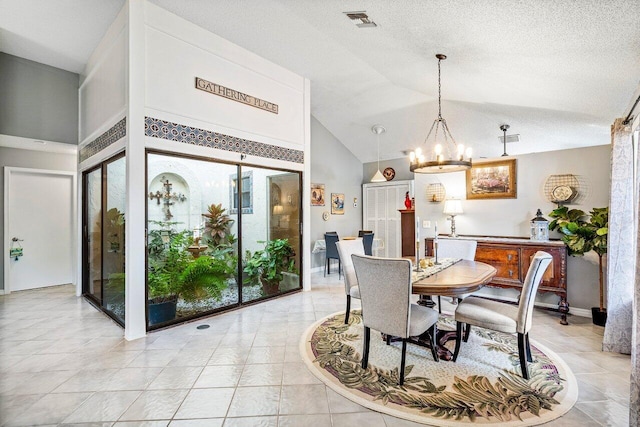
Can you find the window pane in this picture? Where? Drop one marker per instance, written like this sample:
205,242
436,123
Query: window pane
192,238
271,233
114,239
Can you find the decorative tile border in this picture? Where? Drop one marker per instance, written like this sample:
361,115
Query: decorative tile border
162,129
113,134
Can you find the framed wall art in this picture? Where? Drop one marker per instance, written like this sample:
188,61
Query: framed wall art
317,194
337,203
492,180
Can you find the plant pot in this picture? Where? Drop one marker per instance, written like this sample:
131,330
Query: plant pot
599,317
270,288
162,312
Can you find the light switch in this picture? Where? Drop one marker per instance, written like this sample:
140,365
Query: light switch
426,224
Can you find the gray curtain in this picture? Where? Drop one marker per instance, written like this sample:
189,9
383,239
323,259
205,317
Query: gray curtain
623,272
621,255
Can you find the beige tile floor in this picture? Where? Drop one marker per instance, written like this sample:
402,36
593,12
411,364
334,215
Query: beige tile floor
64,363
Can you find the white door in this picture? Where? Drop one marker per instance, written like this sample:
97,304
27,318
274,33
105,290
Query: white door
40,212
380,214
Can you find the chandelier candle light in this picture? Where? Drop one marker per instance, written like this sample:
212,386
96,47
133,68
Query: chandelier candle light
446,156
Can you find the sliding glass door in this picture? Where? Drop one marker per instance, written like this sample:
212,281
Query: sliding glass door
104,239
219,235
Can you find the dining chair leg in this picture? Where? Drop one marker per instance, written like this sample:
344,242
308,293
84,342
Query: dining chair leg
458,340
467,332
439,305
346,314
339,268
523,356
528,348
388,339
365,352
433,336
404,358
326,265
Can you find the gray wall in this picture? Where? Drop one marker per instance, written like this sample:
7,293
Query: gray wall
37,101
341,172
28,159
510,217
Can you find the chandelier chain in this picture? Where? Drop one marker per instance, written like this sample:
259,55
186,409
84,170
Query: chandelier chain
439,93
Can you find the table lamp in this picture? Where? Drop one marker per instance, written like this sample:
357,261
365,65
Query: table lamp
453,208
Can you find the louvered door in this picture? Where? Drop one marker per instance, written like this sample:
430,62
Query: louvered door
380,214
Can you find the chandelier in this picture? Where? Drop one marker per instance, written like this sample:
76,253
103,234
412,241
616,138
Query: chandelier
446,155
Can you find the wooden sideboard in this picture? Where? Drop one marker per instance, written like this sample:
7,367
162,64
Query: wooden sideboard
408,229
511,256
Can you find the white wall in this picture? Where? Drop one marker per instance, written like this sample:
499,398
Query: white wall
333,165
170,92
103,91
510,217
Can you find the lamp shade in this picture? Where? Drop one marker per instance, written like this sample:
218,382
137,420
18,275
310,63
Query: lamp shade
278,209
452,207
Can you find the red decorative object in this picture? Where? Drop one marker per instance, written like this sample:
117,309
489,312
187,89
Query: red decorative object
407,201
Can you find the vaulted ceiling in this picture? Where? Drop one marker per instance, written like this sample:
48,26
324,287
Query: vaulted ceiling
558,72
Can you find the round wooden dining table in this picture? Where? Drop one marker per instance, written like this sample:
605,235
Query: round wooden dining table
461,278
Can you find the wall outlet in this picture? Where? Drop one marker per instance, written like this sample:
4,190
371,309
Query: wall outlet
426,224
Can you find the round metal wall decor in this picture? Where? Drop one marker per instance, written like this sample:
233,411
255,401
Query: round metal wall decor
436,192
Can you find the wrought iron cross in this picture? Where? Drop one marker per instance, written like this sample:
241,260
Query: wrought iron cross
168,198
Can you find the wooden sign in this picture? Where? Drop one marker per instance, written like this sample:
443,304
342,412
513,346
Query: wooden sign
234,95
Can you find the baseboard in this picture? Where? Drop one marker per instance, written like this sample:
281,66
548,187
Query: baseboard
1,291
582,312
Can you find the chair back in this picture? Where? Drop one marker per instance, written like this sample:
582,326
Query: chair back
330,240
539,265
385,289
463,249
367,242
361,232
346,248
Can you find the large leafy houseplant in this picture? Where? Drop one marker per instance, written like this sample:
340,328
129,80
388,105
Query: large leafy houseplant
582,235
268,264
217,225
174,273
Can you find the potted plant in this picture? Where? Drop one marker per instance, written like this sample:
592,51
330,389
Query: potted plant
268,265
174,274
217,225
581,236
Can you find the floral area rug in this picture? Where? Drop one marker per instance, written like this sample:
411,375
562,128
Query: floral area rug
483,387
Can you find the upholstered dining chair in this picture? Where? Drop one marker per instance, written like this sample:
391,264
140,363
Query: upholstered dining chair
346,248
385,291
503,317
463,249
367,242
330,240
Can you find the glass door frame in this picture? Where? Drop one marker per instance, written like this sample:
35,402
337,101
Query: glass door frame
102,166
239,303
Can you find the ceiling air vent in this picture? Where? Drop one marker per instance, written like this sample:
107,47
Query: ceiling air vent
511,138
361,19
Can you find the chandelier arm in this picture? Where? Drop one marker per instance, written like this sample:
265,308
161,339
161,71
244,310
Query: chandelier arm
430,130
449,132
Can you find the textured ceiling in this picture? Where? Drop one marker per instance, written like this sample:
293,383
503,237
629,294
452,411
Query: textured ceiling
558,72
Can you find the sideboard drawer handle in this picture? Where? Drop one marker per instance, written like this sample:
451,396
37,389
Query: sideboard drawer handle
509,257
510,273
